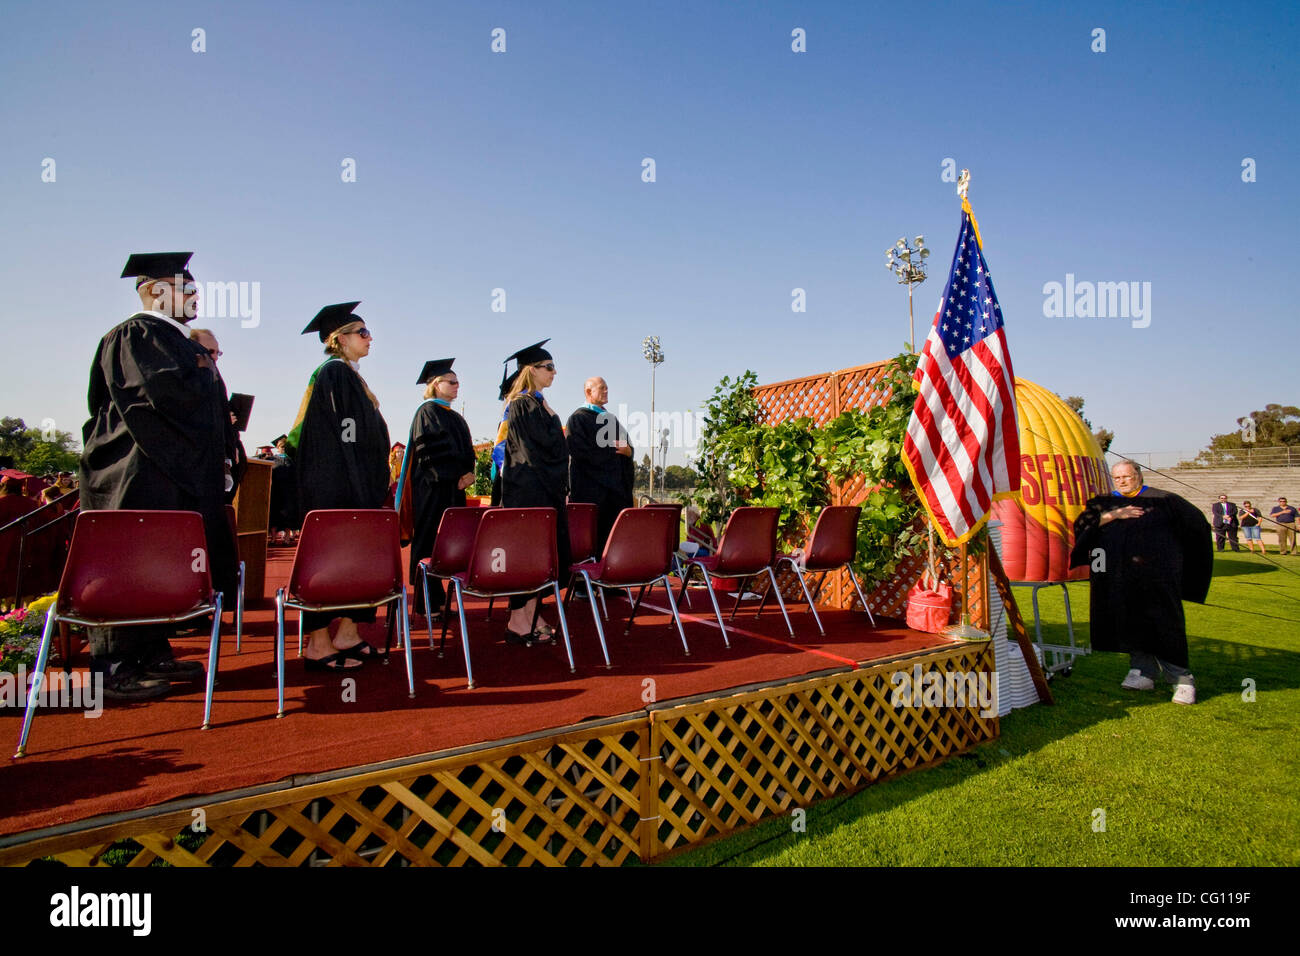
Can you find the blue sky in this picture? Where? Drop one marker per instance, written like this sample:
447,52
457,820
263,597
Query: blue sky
775,170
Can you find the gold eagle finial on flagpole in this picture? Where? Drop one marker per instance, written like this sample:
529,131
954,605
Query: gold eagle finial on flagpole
963,183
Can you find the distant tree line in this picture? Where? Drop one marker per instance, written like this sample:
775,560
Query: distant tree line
34,451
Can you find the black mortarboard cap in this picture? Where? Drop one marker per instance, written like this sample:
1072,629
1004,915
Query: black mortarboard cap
331,318
277,440
434,369
241,406
524,357
144,266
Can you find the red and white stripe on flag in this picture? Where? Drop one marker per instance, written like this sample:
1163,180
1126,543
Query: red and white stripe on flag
962,447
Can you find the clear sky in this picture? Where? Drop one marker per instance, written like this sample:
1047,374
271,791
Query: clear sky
774,170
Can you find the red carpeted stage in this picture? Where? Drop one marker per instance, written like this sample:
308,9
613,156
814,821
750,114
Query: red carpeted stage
88,773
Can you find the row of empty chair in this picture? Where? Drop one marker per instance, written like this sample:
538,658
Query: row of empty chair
144,567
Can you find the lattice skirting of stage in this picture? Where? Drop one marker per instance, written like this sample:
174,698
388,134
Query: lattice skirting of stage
636,787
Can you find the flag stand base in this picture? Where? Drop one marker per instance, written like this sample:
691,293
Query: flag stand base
965,632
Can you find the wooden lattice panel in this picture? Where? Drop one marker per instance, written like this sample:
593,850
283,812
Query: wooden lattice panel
822,398
562,801
727,763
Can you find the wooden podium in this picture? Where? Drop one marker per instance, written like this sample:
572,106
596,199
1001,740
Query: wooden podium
252,521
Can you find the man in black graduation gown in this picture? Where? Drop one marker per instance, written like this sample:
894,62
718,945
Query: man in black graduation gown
439,464
1149,550
601,467
155,440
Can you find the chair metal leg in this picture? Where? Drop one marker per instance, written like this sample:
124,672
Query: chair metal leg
491,601
604,610
239,611
213,651
744,583
464,632
406,626
780,600
300,633
680,572
627,628
279,648
564,626
708,583
861,597
803,583
446,617
38,678
672,605
428,614
686,579
595,616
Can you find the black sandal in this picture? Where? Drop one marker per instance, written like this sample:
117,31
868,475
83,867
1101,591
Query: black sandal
523,640
356,652
332,663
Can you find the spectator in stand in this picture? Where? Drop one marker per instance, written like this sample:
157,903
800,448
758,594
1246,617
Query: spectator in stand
1285,516
1224,513
1250,517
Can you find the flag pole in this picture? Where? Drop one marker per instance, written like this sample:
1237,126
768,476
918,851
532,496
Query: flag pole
965,631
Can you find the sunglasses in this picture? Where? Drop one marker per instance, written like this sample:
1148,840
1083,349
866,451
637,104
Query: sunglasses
364,333
216,353
549,366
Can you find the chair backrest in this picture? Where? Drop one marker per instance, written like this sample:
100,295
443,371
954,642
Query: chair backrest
514,550
582,530
132,565
640,546
347,556
454,542
834,539
748,542
677,522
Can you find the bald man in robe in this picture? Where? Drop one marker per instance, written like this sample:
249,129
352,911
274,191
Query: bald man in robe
601,467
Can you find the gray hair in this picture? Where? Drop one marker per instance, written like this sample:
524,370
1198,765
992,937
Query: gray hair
1137,469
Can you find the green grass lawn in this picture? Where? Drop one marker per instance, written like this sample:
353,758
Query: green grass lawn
1214,784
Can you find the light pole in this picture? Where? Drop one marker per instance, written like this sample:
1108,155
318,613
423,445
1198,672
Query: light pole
910,272
654,354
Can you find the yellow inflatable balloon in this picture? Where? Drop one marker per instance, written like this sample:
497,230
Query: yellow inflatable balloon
1061,467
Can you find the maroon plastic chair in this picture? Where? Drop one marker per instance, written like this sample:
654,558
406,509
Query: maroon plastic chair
674,560
346,559
131,567
582,530
582,543
452,546
638,553
514,554
747,548
832,545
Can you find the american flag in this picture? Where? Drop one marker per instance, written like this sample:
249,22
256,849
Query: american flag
963,444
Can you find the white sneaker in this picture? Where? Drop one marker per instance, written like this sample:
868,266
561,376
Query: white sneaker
1185,694
1137,681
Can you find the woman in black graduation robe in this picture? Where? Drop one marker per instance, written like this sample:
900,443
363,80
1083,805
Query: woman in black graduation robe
440,466
340,454
535,474
1143,568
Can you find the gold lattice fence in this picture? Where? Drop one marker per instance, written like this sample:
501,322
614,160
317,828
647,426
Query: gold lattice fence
822,398
728,764
571,799
597,794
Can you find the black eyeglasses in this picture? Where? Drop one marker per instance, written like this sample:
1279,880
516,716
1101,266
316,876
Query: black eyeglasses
549,366
364,333
216,353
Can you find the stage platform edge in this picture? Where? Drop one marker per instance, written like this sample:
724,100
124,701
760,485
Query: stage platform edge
640,786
